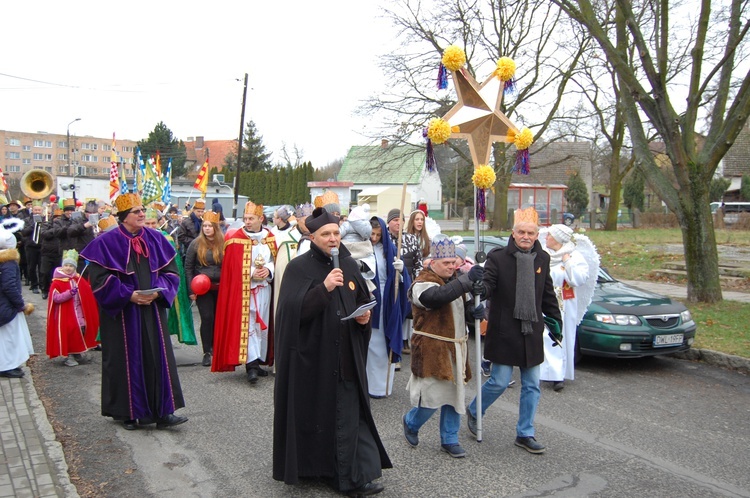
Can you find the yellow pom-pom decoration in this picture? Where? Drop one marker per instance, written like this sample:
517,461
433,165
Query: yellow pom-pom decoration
454,58
483,177
506,68
439,131
523,139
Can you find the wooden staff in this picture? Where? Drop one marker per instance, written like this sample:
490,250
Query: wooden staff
396,280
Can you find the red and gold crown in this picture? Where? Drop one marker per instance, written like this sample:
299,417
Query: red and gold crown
211,216
528,215
253,208
200,204
123,202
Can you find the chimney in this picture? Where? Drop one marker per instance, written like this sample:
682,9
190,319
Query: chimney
198,142
384,143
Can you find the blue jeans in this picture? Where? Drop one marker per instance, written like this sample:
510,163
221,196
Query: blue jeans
450,421
530,392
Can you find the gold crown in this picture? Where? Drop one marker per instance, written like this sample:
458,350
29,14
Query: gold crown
159,206
528,215
330,197
69,203
107,223
318,202
200,204
211,216
252,208
57,212
123,202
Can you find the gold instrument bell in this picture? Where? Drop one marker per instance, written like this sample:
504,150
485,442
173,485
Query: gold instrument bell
36,184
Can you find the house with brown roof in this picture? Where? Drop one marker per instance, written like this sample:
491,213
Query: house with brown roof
198,149
736,163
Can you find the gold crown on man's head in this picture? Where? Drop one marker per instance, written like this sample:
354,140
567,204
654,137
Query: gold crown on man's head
253,208
318,202
159,206
107,223
330,197
123,202
69,203
528,215
200,204
211,216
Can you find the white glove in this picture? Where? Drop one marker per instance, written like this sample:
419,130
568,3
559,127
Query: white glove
398,265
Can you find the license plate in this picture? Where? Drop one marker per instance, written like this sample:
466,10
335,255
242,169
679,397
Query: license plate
668,340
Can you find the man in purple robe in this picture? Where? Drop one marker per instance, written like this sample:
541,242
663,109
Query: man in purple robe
139,375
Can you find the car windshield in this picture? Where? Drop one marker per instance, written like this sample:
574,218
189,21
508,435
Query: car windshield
604,277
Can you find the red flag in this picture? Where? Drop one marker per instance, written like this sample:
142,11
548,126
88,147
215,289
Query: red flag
3,183
201,183
114,175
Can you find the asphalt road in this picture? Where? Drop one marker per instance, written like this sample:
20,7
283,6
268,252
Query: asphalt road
653,427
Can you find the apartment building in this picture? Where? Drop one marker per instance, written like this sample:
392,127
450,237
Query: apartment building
84,156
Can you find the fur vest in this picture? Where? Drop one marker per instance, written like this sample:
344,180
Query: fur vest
433,357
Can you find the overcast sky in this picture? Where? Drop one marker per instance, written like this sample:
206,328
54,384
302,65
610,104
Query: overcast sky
124,66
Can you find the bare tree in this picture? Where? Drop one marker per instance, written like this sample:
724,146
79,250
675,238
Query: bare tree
525,30
717,94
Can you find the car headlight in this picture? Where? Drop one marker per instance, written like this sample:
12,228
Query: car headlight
686,316
617,319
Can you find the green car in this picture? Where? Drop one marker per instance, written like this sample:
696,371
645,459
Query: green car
623,321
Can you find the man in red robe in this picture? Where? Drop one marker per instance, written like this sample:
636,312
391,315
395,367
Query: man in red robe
243,332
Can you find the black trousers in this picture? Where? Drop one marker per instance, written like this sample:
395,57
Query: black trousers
33,259
46,267
207,310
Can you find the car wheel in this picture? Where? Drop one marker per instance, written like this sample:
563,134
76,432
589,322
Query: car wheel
577,356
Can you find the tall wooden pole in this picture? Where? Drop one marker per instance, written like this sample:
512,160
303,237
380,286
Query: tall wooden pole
239,151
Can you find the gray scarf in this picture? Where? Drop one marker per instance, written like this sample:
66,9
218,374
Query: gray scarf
525,309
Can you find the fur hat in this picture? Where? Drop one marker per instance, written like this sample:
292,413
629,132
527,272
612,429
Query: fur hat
561,233
7,229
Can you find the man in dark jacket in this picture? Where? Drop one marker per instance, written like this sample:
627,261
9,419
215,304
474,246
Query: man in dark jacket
323,426
62,223
82,231
519,288
51,255
190,226
32,243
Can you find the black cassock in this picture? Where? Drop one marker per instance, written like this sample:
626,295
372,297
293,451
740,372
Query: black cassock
323,426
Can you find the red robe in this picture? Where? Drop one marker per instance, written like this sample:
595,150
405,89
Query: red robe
231,325
64,335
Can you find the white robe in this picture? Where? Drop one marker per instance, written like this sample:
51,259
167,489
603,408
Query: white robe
260,300
15,343
558,362
378,363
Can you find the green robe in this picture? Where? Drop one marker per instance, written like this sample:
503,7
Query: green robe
180,321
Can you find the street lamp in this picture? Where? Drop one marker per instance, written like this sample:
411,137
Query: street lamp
70,152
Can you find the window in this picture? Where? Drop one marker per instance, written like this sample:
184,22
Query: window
106,147
14,141
88,158
63,170
26,161
38,156
127,149
43,143
48,169
13,155
48,157
94,146
14,169
62,157
85,146
92,171
62,144
26,148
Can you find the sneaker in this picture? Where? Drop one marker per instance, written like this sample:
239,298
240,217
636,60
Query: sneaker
558,386
471,422
398,366
530,444
454,450
70,362
486,368
511,383
411,437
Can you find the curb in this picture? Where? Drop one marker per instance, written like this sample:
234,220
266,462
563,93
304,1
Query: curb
715,358
53,448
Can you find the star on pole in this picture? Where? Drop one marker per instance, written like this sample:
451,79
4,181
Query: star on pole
478,116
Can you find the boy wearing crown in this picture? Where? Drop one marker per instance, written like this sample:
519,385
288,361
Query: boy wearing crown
72,315
243,333
134,278
518,285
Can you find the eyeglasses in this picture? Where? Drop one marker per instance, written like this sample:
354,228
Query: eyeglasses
137,211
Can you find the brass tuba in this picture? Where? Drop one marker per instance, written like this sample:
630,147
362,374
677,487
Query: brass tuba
36,184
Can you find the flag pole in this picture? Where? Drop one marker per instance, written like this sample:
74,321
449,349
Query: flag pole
477,327
396,280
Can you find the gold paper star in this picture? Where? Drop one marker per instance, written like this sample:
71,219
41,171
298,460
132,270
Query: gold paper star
477,115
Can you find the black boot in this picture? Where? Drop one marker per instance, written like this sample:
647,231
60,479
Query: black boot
252,371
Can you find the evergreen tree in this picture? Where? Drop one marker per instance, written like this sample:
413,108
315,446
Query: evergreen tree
577,195
745,188
161,140
632,195
718,188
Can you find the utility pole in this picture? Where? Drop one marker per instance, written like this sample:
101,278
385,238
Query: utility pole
239,152
70,151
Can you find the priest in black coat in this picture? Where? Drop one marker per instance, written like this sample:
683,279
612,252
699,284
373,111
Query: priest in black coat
323,426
